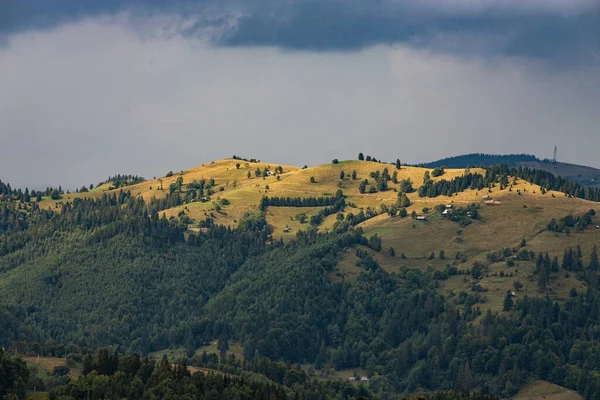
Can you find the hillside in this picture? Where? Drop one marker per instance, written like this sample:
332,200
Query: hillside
545,390
406,278
243,194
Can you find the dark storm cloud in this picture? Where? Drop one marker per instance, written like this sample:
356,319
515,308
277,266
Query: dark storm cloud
333,25
560,30
91,89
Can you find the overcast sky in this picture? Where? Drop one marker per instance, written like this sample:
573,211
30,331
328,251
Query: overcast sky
92,89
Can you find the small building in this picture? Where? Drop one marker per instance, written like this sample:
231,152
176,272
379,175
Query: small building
487,197
421,218
364,379
448,205
204,230
492,202
513,294
352,379
286,230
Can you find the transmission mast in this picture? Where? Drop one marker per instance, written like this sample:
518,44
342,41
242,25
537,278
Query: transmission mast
555,155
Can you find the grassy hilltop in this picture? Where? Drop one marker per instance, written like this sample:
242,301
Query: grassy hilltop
523,214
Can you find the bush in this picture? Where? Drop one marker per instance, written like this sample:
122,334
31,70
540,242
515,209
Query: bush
439,171
61,370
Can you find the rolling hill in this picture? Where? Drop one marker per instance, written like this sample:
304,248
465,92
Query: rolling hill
412,278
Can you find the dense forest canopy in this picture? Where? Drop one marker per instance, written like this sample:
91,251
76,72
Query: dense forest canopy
480,159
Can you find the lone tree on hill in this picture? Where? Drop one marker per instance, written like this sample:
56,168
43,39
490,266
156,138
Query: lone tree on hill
594,259
398,164
362,186
403,200
426,177
361,156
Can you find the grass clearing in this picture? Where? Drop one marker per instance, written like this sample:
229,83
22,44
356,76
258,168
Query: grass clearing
45,366
235,348
546,390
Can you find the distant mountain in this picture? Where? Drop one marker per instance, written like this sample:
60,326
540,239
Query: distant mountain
477,159
584,175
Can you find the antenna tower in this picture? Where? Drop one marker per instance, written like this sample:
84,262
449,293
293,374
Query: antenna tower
555,155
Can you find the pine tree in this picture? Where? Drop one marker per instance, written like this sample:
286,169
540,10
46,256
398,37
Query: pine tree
508,302
579,258
539,263
322,356
555,265
593,266
361,156
464,378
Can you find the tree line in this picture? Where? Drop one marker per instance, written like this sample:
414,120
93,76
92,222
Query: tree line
300,201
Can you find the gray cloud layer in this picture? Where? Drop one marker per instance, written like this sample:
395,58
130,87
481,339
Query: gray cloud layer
564,31
94,98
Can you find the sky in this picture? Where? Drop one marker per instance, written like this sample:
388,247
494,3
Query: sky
92,89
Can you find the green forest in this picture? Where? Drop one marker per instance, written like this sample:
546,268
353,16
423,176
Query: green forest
107,281
481,159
